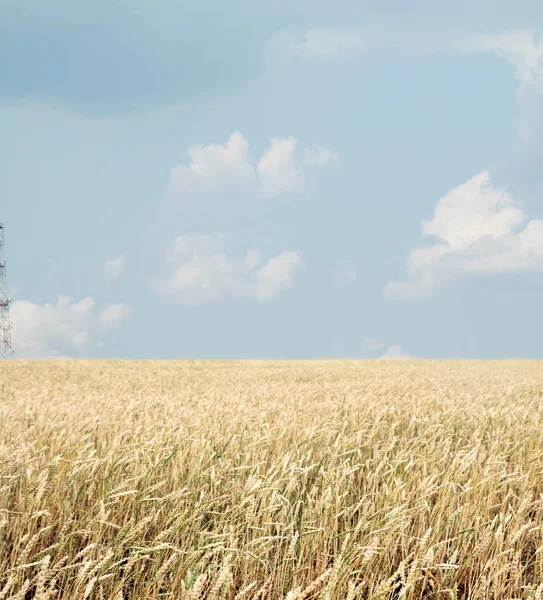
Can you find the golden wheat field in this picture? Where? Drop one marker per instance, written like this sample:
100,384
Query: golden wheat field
271,480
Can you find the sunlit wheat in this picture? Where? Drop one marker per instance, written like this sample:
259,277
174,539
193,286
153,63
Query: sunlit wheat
338,480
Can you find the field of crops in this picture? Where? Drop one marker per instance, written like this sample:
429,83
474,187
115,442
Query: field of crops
271,480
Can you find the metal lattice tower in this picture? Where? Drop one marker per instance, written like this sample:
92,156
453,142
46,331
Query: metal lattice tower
5,323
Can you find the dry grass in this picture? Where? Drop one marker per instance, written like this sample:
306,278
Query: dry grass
270,480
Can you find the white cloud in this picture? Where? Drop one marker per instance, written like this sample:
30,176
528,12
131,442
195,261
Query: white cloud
478,229
112,316
396,352
276,275
63,328
200,270
113,268
216,168
203,272
215,165
279,170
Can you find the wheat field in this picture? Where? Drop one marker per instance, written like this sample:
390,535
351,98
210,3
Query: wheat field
271,480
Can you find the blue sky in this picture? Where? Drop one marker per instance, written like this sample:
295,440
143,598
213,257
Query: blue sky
309,179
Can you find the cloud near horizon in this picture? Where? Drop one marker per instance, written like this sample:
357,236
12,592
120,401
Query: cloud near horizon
66,328
396,352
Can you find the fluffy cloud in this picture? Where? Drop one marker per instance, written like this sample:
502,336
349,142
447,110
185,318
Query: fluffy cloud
113,268
215,165
199,269
113,315
276,275
477,229
203,272
278,169
217,168
64,328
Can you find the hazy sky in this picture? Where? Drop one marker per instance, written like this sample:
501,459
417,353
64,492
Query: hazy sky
302,179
